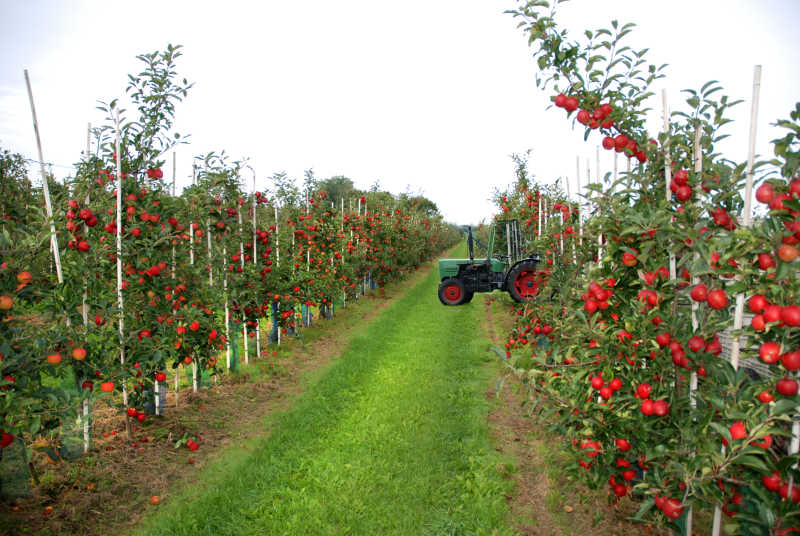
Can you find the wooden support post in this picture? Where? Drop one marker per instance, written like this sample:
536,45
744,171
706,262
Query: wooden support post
120,301
45,187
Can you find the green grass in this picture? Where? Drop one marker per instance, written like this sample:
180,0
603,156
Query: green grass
391,439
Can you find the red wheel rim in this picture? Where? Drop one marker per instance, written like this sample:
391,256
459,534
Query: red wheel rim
526,284
452,293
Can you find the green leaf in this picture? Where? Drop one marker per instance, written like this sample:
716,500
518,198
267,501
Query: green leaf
542,62
766,515
35,424
783,270
721,430
784,407
793,204
753,462
645,507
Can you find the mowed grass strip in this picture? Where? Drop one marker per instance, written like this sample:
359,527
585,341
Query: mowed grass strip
392,439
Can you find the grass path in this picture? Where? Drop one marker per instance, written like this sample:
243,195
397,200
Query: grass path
392,439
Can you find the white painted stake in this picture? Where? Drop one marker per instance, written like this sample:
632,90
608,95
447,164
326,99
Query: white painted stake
588,179
597,164
278,263
120,303
210,265
225,292
45,188
628,171
698,169
569,205
174,169
794,446
746,217
752,146
672,261
255,258
227,336
539,230
668,174
255,220
241,261
548,211
739,310
84,303
277,238
85,314
88,141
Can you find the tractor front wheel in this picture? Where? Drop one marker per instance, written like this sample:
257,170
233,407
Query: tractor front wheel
523,282
452,292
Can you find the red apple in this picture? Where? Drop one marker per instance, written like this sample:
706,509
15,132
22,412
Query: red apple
717,299
757,303
699,293
791,360
765,193
772,482
787,386
770,352
791,315
623,444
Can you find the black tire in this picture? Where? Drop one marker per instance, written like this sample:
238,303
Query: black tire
522,283
468,297
452,291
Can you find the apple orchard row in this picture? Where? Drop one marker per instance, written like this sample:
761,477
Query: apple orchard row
642,282
138,280
184,261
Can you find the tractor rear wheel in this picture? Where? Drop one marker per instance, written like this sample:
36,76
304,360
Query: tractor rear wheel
452,291
523,282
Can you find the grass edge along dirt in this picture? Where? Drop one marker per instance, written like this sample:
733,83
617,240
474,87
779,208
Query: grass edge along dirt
300,360
392,439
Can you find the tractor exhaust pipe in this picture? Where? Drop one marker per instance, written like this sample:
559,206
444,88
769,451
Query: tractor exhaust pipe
470,246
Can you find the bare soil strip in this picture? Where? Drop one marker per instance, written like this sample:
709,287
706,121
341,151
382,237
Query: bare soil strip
547,502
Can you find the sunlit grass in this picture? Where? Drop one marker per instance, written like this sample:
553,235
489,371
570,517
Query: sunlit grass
392,439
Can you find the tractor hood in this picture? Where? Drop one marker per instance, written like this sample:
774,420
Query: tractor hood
450,267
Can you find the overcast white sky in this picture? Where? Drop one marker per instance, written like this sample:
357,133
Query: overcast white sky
429,96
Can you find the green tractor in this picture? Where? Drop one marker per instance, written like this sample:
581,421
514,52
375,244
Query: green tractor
513,270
